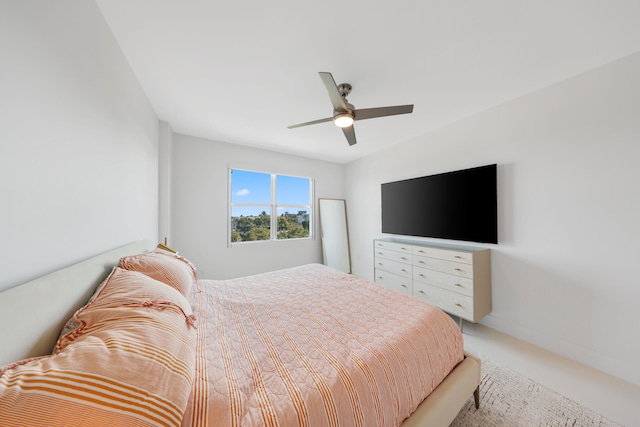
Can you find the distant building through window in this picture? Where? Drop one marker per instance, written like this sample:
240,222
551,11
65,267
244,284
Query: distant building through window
268,206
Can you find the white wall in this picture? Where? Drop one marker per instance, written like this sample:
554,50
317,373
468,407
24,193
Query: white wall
565,269
78,138
199,206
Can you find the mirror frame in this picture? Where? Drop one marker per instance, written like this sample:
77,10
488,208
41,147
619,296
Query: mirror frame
339,226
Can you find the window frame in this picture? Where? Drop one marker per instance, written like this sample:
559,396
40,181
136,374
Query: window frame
273,206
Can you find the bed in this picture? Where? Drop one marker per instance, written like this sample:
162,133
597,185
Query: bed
193,353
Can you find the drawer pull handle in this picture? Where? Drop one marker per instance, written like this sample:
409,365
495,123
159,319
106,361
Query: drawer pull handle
458,256
380,277
380,253
458,269
404,257
404,286
458,285
404,270
421,275
459,305
421,262
422,292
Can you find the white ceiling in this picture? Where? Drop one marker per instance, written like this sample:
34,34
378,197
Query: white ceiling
242,71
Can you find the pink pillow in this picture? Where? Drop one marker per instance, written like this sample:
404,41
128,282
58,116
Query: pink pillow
130,363
166,267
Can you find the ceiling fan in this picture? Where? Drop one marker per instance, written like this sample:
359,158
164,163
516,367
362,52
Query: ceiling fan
344,114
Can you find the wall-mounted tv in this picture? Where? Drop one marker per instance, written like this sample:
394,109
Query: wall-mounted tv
459,205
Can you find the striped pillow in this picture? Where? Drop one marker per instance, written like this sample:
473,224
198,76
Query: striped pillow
166,267
130,363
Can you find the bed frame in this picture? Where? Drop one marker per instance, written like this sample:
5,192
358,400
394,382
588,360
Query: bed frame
33,314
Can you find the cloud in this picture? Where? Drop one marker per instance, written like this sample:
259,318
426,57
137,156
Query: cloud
242,192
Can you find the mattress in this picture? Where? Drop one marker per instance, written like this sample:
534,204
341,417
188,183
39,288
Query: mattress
314,346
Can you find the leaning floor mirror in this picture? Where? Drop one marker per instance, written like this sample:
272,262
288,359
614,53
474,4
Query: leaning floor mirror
334,234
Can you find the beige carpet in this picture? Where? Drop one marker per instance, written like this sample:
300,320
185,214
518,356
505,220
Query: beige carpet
508,398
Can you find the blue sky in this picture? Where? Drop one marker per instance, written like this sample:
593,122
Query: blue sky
255,187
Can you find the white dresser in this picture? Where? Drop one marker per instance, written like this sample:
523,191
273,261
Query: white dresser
455,278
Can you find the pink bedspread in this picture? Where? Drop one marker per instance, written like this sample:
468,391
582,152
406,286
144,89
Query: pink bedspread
313,346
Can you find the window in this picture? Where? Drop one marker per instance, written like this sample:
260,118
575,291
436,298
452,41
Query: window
266,206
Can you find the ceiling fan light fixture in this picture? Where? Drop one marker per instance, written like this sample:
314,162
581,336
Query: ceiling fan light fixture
343,120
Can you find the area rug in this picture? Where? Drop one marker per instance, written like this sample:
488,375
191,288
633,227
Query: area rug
508,398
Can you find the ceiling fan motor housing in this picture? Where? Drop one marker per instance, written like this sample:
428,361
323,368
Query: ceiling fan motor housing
344,89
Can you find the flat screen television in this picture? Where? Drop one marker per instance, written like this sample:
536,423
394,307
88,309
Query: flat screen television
459,205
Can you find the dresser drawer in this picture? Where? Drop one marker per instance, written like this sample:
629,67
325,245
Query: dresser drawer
444,254
392,246
449,267
395,267
393,255
446,281
394,281
451,302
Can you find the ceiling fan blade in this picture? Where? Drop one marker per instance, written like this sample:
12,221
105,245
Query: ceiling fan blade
337,100
328,119
350,133
370,113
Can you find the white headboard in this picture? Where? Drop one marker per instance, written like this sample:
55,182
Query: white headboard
33,314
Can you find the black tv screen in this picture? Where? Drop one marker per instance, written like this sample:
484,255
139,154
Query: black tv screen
460,205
